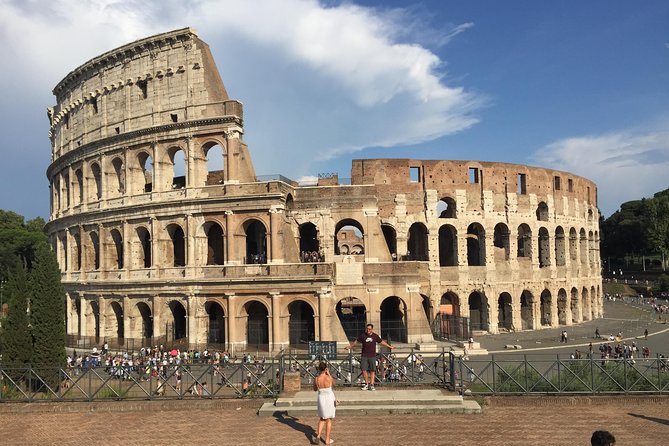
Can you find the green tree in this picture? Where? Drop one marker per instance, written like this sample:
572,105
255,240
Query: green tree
46,314
18,240
656,227
16,342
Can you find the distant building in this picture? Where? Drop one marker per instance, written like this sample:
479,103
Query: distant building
165,234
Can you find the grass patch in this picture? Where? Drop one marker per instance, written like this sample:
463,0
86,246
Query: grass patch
618,288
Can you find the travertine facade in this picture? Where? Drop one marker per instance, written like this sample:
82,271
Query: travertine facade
161,226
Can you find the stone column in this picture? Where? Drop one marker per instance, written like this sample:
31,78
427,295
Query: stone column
323,297
232,155
275,244
229,237
154,241
231,335
189,157
193,319
125,230
83,306
102,316
275,334
190,242
128,314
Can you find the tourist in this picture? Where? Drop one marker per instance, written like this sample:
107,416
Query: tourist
326,404
602,438
369,340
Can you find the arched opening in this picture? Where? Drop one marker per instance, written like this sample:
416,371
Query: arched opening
593,302
215,164
79,188
501,242
527,310
542,212
393,319
562,306
119,177
478,312
587,310
475,245
390,235
524,241
117,239
560,257
352,315
427,308
147,320
179,320
95,245
448,323
144,251
257,330
301,323
178,242
574,305
77,252
64,258
417,248
118,318
94,322
96,185
66,189
544,248
349,238
290,202
448,246
505,312
215,244
573,245
546,310
145,180
216,329
310,249
583,247
178,160
446,208
256,242
591,249
56,192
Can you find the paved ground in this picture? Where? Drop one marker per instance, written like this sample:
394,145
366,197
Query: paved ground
507,421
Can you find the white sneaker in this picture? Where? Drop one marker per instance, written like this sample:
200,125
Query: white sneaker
371,388
364,387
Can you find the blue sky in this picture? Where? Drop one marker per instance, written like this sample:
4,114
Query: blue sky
570,85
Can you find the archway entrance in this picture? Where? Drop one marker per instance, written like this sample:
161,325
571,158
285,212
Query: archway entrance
546,310
216,331
505,312
301,323
179,320
478,314
147,320
393,319
527,310
257,326
352,316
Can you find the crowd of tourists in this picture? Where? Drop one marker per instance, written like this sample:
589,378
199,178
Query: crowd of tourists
312,257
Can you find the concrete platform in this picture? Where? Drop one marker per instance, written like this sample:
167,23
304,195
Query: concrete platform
379,402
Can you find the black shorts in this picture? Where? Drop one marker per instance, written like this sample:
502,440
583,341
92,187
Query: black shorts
368,364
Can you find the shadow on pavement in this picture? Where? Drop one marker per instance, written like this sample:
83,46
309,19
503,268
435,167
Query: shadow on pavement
657,420
294,424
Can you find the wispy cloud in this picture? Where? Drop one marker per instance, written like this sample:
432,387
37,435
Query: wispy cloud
625,165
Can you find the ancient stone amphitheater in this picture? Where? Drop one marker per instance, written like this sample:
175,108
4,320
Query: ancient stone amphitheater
164,232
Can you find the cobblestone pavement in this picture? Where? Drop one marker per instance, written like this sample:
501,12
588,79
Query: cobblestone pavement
505,421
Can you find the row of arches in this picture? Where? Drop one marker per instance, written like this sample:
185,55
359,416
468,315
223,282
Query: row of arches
135,174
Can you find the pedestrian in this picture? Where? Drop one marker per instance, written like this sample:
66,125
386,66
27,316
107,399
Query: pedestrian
369,340
645,334
326,403
602,438
597,333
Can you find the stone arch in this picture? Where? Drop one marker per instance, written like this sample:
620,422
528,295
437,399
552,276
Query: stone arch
546,309
143,254
501,242
257,324
144,179
215,243
542,211
179,320
390,235
93,251
177,252
78,186
417,242
348,233
575,304
117,241
560,255
117,320
562,307
446,208
583,247
95,182
117,185
76,258
290,202
352,315
475,245
309,242
146,320
301,327
255,234
216,319
177,167
527,310
449,304
505,311
593,303
215,156
94,322
524,241
427,308
585,302
448,246
573,245
478,311
394,319
544,248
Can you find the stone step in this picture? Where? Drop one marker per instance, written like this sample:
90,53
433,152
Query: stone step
382,401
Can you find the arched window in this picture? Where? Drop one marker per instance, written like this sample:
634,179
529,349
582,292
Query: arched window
544,248
446,208
527,310
390,235
448,246
119,177
66,189
417,247
178,244
77,251
583,247
144,251
501,242
310,250
96,181
256,242
478,312
215,244
147,320
524,241
349,238
145,180
542,212
95,244
475,245
546,308
117,240
215,164
178,161
79,187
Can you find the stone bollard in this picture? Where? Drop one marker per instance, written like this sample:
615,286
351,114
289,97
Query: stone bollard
291,382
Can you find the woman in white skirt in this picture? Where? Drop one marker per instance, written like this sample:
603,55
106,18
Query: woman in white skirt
325,403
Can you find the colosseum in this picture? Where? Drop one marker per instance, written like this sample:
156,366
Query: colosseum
163,230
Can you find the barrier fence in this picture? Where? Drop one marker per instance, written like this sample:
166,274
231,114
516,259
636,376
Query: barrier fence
263,378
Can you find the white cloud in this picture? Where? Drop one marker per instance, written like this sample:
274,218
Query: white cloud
626,165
